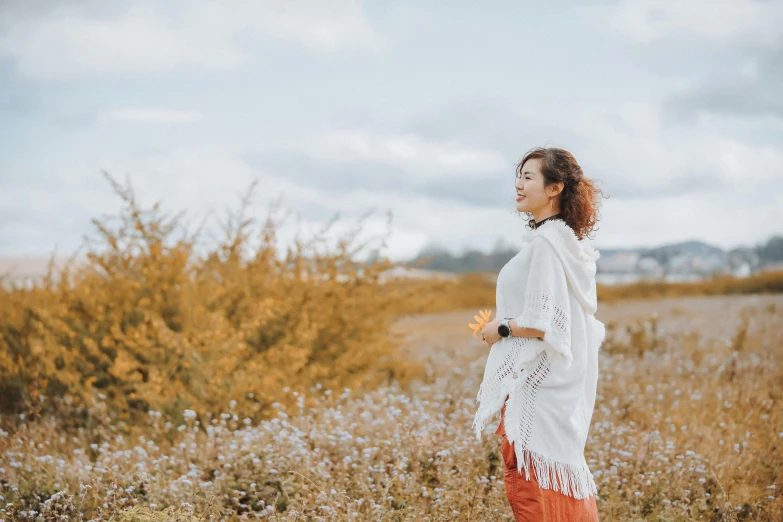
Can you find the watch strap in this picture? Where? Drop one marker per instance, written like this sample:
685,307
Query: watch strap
505,323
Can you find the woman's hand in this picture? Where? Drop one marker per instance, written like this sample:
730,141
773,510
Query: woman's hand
489,333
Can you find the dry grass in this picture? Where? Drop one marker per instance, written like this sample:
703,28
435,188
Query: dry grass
764,282
688,426
477,290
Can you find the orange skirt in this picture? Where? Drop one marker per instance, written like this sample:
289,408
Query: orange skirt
531,503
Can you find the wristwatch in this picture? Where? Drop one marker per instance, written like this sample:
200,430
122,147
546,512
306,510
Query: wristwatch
504,330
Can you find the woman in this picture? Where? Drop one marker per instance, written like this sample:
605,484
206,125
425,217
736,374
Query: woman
542,369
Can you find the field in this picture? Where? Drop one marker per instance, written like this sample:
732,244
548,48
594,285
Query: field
688,426
167,377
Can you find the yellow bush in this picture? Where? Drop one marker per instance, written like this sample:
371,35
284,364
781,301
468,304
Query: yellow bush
154,321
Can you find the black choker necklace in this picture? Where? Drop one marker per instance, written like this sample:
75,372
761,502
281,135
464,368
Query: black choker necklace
555,216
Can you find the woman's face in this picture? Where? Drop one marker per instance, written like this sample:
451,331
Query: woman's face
531,195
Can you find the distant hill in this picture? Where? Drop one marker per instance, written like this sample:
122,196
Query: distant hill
686,247
437,258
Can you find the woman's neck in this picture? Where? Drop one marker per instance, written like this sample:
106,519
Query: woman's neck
540,222
538,217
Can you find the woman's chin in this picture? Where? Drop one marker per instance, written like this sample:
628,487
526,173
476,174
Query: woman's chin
524,206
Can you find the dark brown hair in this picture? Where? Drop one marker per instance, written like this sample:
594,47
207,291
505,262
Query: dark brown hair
580,198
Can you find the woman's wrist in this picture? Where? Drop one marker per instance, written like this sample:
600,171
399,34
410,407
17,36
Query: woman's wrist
518,331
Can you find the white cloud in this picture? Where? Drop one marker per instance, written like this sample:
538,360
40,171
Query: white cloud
140,40
629,146
152,115
325,26
68,41
722,219
409,152
732,21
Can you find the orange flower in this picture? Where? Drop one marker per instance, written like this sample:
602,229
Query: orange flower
480,321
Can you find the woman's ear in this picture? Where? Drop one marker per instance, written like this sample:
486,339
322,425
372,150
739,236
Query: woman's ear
556,188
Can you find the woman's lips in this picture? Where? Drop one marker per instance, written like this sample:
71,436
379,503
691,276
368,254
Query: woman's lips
520,198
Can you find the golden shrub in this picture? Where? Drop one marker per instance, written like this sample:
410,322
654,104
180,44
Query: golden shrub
155,320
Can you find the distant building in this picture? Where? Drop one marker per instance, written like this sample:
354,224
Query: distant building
680,264
743,270
709,263
650,268
611,279
682,278
618,263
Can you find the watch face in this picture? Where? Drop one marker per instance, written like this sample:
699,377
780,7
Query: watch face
504,330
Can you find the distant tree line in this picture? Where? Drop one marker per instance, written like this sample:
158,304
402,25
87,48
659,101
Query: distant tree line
772,251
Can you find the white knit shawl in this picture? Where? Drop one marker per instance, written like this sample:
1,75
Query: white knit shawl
551,383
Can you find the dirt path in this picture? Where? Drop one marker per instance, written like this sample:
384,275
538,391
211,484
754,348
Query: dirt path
445,342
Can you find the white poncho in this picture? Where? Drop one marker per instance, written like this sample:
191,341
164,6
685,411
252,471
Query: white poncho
551,383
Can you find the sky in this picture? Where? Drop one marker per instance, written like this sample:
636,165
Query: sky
353,109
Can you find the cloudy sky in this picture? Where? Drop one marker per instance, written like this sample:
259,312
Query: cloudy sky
423,108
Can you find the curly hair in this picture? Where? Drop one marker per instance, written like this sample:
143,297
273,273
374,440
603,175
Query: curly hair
580,198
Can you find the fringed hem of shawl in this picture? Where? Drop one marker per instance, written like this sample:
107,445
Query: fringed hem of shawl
571,480
487,409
